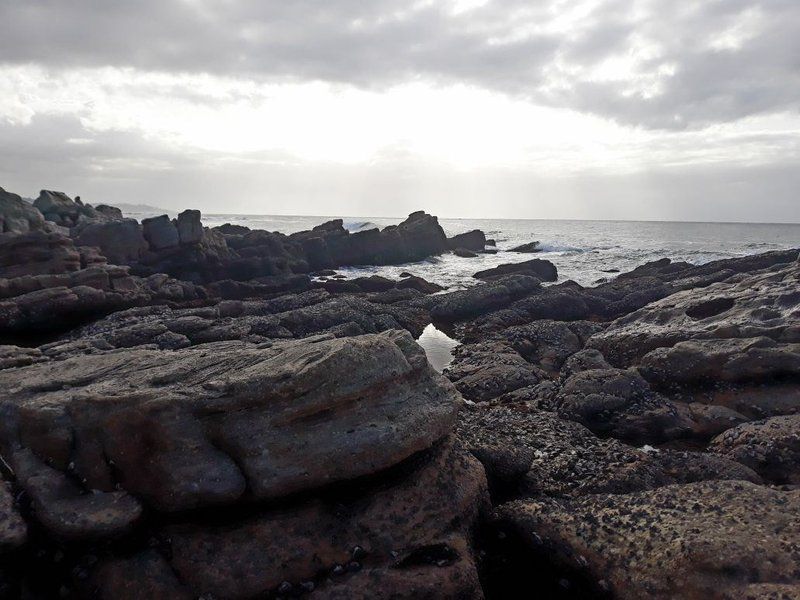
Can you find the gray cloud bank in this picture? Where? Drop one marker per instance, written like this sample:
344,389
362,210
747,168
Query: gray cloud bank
687,64
104,170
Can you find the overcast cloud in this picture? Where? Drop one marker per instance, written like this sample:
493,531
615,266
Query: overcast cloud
557,108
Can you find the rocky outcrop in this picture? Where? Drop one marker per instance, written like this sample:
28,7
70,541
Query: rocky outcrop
275,433
621,404
37,253
160,233
269,434
47,285
62,210
464,253
770,447
474,240
528,452
719,539
541,269
330,244
17,216
481,299
528,248
120,240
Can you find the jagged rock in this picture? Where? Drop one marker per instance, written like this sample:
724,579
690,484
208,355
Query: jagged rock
587,359
485,371
548,343
91,256
474,240
18,216
120,240
543,270
482,298
160,232
37,253
263,287
621,404
412,282
55,303
739,359
745,306
464,253
57,207
372,318
527,248
770,447
229,229
190,229
216,423
112,212
422,235
717,539
529,452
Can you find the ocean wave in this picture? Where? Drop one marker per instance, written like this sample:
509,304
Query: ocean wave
354,226
560,248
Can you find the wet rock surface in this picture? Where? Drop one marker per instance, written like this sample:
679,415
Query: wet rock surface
190,412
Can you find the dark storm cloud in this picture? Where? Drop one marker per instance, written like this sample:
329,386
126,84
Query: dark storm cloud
689,77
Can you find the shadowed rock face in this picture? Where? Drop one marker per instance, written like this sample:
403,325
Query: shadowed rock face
474,240
17,216
770,447
541,269
718,539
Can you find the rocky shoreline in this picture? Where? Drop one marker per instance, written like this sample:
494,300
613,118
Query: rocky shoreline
192,412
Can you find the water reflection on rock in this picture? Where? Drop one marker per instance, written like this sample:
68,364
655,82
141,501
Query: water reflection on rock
438,347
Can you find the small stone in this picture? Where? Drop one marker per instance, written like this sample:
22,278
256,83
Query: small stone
285,588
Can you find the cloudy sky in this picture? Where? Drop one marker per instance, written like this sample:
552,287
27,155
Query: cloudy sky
634,109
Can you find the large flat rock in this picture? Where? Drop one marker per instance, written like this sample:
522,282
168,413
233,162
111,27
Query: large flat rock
763,304
226,421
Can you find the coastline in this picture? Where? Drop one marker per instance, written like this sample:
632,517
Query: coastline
196,411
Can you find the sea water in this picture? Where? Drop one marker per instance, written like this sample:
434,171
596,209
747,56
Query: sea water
584,251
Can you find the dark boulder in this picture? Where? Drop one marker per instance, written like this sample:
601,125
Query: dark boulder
464,253
190,229
160,233
120,240
474,240
528,248
18,216
412,282
543,270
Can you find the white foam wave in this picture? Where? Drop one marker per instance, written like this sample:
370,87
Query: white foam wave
353,226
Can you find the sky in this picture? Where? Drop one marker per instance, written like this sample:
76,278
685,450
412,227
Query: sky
582,109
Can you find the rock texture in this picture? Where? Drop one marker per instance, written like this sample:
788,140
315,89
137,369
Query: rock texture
541,269
17,216
191,412
722,539
325,460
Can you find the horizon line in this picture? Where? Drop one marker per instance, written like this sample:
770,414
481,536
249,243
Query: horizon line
333,217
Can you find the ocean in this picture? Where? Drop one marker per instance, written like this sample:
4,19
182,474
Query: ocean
583,251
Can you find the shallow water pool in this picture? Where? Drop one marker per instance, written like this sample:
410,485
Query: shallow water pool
438,347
